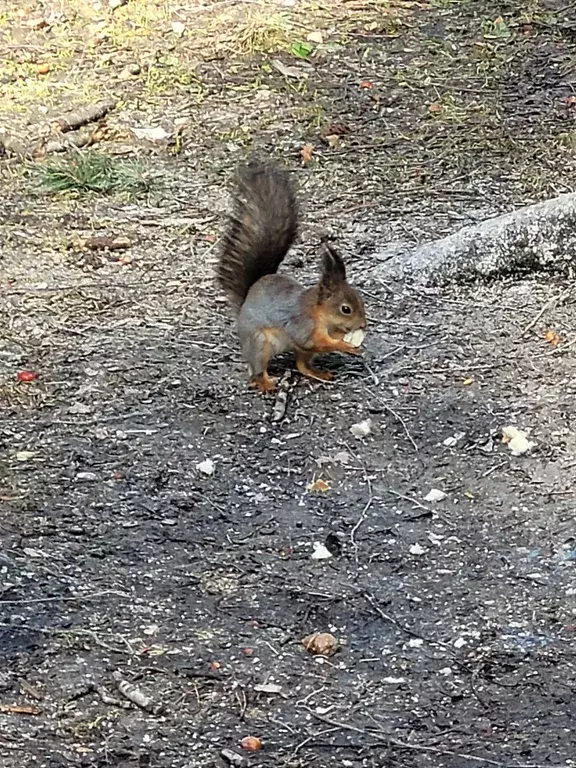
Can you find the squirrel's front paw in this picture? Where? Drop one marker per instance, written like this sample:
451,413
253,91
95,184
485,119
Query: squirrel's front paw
350,350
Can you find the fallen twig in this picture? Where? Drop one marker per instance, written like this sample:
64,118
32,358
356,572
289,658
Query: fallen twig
383,738
362,516
66,598
135,695
548,305
392,620
19,709
279,410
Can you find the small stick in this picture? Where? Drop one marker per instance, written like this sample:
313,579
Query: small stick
401,420
107,699
362,516
397,416
411,500
381,735
279,410
548,305
133,694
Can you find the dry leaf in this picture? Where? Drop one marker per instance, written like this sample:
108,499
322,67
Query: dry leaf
335,129
333,141
517,440
288,71
319,486
306,153
320,552
552,338
362,428
320,643
315,37
151,134
468,381
435,108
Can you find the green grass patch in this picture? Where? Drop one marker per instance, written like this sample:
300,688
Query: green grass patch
92,172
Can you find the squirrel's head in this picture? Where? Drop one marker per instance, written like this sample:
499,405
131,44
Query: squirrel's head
341,304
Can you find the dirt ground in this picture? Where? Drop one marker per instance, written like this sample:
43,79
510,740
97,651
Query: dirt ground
455,619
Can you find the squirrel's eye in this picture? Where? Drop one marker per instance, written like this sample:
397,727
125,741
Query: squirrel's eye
346,309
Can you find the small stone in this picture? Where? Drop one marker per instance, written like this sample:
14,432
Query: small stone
134,69
361,429
206,467
435,495
86,476
25,455
80,408
320,552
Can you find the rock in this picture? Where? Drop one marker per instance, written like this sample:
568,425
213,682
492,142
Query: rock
361,429
435,495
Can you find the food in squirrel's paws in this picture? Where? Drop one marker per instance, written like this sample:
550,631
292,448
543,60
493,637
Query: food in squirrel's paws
355,338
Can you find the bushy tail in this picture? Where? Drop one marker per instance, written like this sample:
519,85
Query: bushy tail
261,229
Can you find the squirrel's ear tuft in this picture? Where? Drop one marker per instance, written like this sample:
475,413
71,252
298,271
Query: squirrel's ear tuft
333,271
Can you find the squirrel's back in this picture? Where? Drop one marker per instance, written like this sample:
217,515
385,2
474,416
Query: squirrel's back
261,229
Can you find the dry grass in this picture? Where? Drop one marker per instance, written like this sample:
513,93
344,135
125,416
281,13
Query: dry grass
93,48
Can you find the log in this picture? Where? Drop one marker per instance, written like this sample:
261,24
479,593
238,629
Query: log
540,237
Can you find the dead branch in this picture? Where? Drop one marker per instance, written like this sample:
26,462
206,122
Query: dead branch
135,695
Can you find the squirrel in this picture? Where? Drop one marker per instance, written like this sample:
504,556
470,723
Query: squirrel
275,313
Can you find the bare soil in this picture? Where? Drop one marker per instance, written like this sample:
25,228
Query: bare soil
455,619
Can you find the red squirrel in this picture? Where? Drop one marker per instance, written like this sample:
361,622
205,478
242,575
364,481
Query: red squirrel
275,313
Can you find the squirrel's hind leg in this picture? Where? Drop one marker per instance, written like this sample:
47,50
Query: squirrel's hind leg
258,348
303,363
